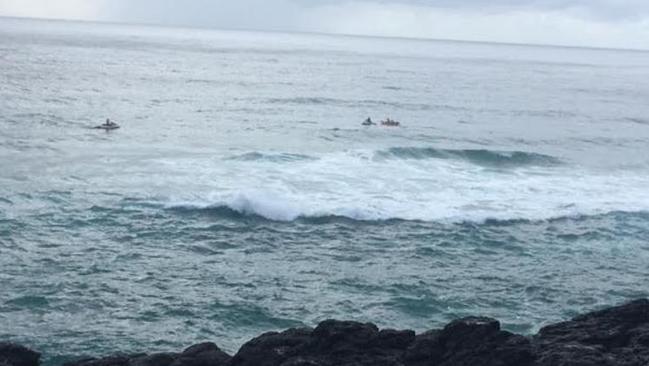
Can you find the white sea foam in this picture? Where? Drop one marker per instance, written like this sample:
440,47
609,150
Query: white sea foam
352,184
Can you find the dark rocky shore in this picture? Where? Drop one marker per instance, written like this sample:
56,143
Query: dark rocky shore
615,336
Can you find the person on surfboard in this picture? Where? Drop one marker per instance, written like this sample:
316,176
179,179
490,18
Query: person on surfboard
368,122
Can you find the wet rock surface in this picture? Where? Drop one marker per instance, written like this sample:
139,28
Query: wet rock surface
614,336
16,355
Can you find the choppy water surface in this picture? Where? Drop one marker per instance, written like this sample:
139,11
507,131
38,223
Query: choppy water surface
242,195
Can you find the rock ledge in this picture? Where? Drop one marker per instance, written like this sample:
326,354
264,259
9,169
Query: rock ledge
614,336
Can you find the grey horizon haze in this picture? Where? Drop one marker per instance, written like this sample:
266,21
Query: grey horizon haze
596,23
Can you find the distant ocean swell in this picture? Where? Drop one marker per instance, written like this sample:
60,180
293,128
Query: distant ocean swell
475,156
491,158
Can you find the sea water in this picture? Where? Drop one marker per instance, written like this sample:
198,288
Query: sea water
241,193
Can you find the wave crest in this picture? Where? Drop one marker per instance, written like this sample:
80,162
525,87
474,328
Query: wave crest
273,158
482,157
242,205
250,210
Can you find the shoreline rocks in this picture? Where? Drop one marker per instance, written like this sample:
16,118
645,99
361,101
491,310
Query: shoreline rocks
610,337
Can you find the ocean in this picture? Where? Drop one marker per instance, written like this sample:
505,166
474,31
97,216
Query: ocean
242,194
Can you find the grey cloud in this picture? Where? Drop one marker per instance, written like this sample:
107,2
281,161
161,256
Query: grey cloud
280,14
595,9
287,14
607,23
247,14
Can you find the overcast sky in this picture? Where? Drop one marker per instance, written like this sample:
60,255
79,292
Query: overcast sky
599,23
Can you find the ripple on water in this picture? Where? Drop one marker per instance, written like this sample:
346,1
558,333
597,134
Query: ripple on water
27,303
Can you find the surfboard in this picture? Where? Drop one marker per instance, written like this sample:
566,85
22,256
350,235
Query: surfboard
107,127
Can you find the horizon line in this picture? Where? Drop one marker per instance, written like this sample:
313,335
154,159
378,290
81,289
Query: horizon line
322,33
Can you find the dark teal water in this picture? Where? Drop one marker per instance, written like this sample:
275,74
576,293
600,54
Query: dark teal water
242,194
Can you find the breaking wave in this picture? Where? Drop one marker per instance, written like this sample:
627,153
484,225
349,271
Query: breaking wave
277,214
275,207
